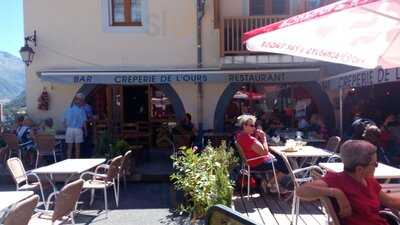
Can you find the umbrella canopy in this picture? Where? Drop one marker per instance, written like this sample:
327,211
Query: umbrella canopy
363,33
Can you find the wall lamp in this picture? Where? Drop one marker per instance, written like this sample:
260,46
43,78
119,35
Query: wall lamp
27,52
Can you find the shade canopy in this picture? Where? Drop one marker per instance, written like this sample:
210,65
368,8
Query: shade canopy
363,33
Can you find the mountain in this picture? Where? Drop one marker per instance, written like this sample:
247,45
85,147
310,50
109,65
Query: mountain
12,76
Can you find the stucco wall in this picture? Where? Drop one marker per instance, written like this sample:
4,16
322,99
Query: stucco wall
71,35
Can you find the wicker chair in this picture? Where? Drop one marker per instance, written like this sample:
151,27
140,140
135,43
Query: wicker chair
22,212
64,205
12,144
104,180
20,177
45,146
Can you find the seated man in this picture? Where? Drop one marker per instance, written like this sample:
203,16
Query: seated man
254,144
358,194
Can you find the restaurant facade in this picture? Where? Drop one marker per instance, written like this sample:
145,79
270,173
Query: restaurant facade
144,63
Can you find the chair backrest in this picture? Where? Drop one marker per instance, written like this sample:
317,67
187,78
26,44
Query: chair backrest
113,170
66,200
22,212
45,143
17,170
289,167
333,144
241,153
126,162
330,210
11,140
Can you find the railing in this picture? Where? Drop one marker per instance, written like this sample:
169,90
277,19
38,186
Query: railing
233,28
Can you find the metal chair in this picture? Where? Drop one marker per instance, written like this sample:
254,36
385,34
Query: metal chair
64,205
22,212
246,170
104,180
45,146
20,177
12,144
298,177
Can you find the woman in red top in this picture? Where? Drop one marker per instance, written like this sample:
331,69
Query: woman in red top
358,194
254,144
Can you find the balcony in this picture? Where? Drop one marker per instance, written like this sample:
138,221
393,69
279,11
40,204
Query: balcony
233,28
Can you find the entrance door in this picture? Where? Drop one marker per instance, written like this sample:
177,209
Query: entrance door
136,103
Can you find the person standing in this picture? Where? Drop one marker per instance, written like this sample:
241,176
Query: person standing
87,140
75,121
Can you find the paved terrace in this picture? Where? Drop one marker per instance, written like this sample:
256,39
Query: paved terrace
271,210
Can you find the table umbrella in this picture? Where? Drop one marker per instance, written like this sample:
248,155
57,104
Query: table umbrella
363,33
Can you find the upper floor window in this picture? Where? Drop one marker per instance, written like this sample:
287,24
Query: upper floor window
269,7
313,4
126,12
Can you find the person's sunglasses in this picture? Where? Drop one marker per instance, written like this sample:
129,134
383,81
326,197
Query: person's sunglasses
251,125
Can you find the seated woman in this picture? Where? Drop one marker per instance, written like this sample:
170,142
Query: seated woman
357,193
25,134
254,144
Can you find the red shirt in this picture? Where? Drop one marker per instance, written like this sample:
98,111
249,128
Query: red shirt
246,141
364,200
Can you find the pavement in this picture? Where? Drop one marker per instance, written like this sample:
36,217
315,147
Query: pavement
140,204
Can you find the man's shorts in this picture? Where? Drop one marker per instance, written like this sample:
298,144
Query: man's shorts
74,135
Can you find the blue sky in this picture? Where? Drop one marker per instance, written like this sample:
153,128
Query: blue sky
11,26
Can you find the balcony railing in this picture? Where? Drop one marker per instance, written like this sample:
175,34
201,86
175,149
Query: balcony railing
233,28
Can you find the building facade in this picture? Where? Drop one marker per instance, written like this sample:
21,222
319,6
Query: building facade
145,62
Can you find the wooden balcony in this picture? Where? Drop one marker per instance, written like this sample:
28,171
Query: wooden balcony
233,28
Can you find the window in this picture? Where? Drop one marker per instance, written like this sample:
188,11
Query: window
313,4
269,7
126,12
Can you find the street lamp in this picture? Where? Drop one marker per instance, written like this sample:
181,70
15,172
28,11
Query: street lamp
27,52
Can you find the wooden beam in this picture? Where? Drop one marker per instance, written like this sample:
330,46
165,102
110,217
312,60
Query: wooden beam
217,13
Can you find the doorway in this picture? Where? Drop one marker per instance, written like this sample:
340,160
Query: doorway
135,104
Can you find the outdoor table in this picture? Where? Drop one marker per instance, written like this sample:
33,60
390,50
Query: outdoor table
383,171
304,152
9,198
70,167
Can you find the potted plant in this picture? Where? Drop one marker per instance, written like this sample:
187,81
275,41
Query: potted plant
204,178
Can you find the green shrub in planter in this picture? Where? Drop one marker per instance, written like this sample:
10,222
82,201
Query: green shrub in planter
204,178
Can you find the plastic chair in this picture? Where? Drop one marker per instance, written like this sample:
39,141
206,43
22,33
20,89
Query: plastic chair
125,166
104,180
20,177
22,212
12,144
246,170
298,177
45,146
64,205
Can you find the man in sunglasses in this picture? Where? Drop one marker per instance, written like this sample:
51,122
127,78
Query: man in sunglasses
355,190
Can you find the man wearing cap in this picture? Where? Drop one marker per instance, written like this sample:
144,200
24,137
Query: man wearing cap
75,121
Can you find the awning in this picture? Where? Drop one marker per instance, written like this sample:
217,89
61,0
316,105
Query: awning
362,33
181,76
361,78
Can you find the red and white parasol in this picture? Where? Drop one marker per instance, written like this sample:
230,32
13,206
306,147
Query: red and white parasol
363,33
